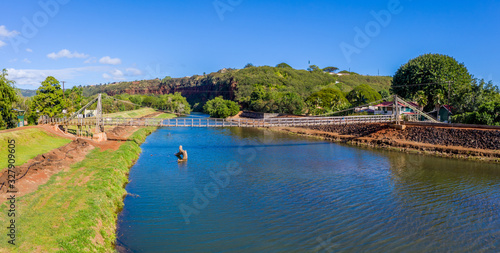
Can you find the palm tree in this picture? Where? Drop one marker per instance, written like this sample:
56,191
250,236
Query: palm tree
438,99
420,98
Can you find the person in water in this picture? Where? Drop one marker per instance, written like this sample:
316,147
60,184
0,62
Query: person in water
182,155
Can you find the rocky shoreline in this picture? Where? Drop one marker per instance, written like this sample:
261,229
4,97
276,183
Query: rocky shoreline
463,143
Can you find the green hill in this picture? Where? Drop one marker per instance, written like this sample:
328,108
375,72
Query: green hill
238,84
27,93
347,83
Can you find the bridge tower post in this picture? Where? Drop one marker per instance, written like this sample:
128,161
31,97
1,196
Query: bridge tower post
99,114
396,109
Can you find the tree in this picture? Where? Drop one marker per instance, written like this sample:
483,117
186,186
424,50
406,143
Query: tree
327,100
331,69
249,65
434,70
363,94
166,79
73,99
474,95
438,99
487,114
313,68
49,99
420,98
384,93
221,108
283,65
291,103
8,97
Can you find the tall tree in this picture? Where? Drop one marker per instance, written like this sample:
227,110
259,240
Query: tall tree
331,69
363,94
313,68
283,65
49,99
437,72
327,100
8,97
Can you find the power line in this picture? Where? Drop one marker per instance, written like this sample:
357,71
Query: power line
420,84
353,108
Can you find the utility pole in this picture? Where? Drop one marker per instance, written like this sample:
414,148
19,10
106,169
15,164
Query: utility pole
64,95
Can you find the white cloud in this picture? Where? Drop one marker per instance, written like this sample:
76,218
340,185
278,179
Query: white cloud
66,54
2,43
90,60
115,74
26,60
6,33
133,72
29,50
110,61
31,78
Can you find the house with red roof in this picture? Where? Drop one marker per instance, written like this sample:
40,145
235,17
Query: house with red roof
387,108
443,114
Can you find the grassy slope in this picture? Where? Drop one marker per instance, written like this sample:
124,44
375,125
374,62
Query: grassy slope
131,114
347,83
29,143
166,116
76,211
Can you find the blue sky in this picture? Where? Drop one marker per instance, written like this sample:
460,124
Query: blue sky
91,42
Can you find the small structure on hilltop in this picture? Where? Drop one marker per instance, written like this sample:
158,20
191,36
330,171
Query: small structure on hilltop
182,155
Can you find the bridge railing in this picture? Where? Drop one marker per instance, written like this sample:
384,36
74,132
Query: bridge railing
213,122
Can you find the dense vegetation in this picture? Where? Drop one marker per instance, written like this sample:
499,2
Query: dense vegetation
8,97
279,89
363,94
436,80
378,83
327,100
221,108
174,103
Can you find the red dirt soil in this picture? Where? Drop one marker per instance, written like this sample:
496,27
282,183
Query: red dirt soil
38,171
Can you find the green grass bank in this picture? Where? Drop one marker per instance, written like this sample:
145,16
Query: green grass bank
76,211
131,114
30,142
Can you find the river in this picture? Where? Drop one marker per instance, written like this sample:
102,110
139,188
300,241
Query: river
251,190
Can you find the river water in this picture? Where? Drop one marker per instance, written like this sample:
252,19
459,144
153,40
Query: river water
250,190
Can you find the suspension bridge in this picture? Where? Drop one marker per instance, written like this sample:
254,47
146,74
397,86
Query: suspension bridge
100,120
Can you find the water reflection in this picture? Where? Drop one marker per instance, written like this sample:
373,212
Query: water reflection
303,195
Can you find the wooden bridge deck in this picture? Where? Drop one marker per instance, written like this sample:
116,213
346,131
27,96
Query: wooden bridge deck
210,122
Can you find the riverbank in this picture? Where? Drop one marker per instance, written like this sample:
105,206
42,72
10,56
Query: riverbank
462,143
76,210
69,195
